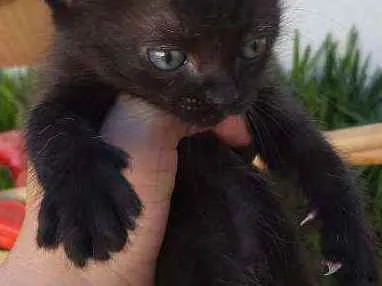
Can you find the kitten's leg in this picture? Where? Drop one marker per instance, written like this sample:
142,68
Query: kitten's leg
291,146
87,204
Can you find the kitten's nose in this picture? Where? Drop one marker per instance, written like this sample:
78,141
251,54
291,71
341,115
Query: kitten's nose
224,94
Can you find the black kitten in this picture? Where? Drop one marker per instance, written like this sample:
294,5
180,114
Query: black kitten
201,60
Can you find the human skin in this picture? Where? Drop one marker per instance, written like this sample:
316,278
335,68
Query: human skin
151,138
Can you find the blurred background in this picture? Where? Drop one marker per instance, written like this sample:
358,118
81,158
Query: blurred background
329,52
315,18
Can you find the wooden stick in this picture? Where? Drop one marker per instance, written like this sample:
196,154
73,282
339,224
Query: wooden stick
14,194
359,146
364,158
357,139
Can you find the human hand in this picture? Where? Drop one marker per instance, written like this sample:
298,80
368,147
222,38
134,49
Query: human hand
151,137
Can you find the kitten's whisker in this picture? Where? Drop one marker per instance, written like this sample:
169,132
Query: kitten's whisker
48,142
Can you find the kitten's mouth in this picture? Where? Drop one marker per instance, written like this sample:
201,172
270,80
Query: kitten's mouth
233,130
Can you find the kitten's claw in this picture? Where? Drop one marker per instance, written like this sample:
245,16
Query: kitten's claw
310,217
332,267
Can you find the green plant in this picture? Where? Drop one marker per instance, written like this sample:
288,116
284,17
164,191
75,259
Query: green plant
338,89
15,95
16,88
5,179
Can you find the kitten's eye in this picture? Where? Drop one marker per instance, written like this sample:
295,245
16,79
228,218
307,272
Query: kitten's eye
166,60
254,48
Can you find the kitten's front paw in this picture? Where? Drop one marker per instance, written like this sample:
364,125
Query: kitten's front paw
88,206
346,243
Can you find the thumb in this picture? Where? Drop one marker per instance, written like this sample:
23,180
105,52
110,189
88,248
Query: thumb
150,138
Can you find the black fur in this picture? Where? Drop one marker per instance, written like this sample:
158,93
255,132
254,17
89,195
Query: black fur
100,52
83,214
225,226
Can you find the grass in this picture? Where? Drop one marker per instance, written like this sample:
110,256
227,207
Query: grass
338,90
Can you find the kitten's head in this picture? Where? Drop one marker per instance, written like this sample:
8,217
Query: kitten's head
199,59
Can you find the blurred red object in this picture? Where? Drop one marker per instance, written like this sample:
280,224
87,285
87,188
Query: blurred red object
11,218
13,155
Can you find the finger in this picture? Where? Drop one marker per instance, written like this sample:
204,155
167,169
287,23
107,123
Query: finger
150,138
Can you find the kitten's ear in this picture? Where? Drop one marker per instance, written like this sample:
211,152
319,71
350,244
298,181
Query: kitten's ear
59,4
